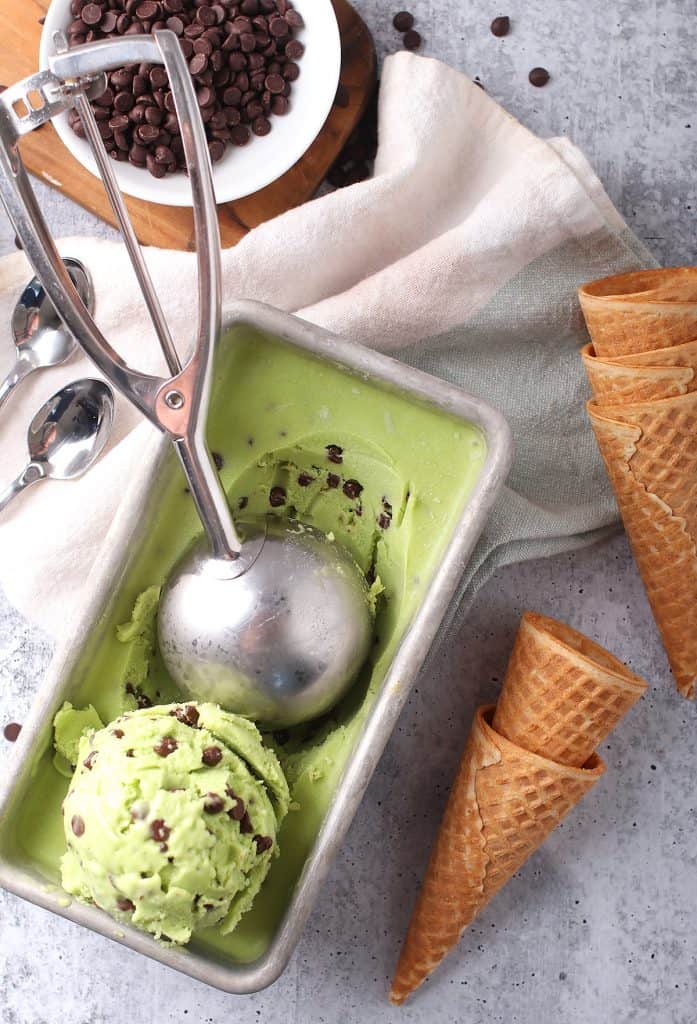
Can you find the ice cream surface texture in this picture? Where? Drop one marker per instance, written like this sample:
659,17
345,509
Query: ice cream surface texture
386,475
171,819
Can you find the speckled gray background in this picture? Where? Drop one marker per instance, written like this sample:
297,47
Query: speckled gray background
600,924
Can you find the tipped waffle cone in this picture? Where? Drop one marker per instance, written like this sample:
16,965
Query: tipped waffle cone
650,451
504,802
642,311
638,380
562,693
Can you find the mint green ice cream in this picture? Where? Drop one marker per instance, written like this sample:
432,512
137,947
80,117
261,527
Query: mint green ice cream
172,817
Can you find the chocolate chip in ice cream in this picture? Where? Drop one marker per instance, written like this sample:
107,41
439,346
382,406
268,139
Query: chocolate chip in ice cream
264,843
335,453
125,905
166,746
77,825
212,756
118,733
352,489
187,715
159,831
333,480
237,811
213,804
305,479
90,759
246,827
277,497
218,460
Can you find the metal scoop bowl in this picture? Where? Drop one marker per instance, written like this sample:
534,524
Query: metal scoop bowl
276,624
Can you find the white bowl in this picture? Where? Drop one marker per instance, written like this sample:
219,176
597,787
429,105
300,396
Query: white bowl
242,170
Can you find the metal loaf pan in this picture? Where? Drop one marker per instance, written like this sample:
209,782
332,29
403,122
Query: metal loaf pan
121,545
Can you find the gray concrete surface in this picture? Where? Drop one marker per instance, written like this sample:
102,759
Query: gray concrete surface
600,924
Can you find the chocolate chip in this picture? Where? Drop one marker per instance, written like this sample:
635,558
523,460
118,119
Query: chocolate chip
166,746
213,804
501,26
77,825
125,905
246,827
91,14
333,480
12,731
294,49
118,733
218,460
129,752
411,40
538,77
352,488
403,21
159,831
187,715
90,759
237,811
305,479
242,502
264,843
212,756
335,453
277,497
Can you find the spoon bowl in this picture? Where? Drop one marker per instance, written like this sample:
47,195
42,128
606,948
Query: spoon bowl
66,436
277,635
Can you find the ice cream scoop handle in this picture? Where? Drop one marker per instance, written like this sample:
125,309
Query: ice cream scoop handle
209,497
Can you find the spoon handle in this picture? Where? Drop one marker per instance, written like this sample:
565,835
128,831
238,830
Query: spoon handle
19,371
29,475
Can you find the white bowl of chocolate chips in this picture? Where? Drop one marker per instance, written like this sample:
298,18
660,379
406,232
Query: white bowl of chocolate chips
265,71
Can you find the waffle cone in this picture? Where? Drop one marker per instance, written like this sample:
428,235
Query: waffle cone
504,802
562,693
619,380
650,451
642,311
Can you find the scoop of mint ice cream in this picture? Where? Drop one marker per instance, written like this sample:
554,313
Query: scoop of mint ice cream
171,818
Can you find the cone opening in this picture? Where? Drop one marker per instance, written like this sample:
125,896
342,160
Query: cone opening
484,717
670,285
583,649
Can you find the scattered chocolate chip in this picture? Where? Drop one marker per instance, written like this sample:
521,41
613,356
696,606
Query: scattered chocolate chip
77,825
335,453
212,756
277,497
333,480
352,488
305,479
501,26
213,804
159,831
246,827
118,733
90,759
538,77
141,699
242,502
218,460
411,40
187,715
129,752
264,843
384,521
166,746
12,731
125,905
403,21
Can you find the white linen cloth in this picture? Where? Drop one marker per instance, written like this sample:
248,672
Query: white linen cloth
461,254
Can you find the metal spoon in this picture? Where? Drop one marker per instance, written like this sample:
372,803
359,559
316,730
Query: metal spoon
282,583
66,436
40,337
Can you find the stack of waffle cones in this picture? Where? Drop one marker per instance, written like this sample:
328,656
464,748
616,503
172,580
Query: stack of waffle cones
527,762
642,366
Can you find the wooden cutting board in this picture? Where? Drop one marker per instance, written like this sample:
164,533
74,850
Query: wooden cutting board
167,226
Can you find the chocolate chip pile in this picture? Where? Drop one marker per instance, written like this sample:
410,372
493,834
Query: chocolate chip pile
242,55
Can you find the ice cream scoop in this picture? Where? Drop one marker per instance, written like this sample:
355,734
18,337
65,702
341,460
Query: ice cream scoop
239,576
171,819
